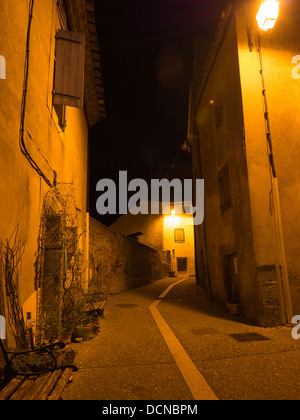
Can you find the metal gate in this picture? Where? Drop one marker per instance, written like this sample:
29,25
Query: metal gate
59,267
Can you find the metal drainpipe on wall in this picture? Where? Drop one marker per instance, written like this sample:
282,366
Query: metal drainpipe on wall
279,245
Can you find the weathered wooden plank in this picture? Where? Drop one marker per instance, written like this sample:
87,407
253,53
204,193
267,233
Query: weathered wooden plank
97,65
10,388
99,90
56,393
39,383
98,74
96,56
98,82
94,39
90,7
95,47
24,388
92,28
91,17
47,389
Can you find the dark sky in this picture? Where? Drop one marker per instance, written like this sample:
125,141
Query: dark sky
147,52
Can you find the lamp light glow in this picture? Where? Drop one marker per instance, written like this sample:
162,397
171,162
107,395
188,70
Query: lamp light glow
268,14
173,212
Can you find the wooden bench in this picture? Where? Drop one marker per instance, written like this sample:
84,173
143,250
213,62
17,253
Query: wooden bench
44,385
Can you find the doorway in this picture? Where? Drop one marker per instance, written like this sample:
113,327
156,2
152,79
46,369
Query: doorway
182,264
231,280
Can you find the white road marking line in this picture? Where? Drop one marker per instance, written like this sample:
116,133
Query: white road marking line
198,386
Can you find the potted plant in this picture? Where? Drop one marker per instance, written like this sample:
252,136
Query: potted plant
73,312
83,327
84,332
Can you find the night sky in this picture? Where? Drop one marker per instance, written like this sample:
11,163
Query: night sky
147,54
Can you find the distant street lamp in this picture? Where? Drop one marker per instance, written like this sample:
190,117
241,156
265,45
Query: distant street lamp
268,15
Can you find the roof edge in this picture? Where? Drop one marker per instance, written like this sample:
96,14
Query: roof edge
81,18
223,24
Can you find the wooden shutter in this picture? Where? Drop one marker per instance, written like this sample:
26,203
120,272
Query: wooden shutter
179,236
69,69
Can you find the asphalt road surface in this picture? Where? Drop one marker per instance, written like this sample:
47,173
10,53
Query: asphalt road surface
165,341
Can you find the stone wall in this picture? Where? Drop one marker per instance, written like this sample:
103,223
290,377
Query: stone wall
157,232
118,263
266,292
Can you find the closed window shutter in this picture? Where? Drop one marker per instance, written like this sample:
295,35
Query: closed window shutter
69,69
179,235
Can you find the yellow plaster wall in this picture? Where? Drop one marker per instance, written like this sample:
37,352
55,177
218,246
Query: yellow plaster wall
22,189
283,94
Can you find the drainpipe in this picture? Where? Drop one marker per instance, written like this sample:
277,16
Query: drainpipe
22,144
275,209
87,251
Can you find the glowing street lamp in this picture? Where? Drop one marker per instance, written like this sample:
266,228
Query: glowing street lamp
268,15
173,213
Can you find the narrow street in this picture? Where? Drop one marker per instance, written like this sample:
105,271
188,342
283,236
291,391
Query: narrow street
147,148
192,352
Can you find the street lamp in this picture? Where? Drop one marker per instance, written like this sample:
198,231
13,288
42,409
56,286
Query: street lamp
268,15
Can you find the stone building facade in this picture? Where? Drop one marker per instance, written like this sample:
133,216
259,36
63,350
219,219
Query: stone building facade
241,254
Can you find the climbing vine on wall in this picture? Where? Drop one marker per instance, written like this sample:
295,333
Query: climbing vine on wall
11,252
60,262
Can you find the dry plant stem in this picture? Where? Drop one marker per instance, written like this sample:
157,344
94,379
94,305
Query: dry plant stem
11,252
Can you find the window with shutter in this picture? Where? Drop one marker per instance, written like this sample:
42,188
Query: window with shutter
61,110
225,190
69,69
179,236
